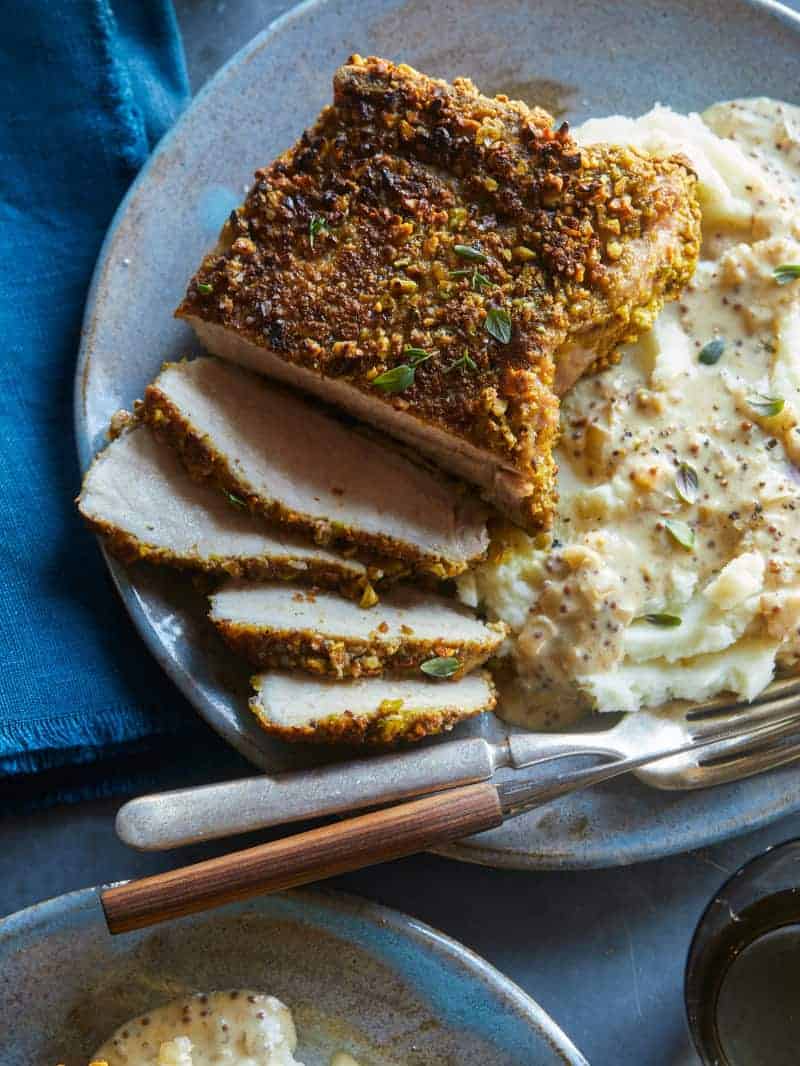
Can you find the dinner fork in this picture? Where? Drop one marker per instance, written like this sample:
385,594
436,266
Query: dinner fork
185,816
392,832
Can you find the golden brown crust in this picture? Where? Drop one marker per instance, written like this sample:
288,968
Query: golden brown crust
386,729
399,171
346,657
642,275
129,550
204,463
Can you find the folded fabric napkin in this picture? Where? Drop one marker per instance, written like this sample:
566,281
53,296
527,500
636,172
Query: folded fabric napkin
88,88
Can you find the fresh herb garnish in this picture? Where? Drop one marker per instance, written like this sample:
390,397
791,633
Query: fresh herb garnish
710,353
237,501
498,324
478,281
316,226
786,273
686,483
765,406
204,287
466,361
401,377
441,667
661,619
680,533
395,380
466,251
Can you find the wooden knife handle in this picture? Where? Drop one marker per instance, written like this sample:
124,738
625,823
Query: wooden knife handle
297,860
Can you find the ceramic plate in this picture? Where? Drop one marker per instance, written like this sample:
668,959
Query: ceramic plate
578,60
358,977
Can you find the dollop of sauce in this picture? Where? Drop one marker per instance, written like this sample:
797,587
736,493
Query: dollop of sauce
235,1028
675,568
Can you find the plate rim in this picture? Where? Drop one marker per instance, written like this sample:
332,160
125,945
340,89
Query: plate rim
470,850
39,917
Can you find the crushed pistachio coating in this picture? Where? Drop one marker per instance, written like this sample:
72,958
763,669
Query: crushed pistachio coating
421,214
395,723
346,657
129,549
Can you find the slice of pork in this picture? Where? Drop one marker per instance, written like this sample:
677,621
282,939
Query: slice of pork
368,710
138,496
508,489
306,470
274,625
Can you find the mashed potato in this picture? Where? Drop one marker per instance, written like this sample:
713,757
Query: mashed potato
675,569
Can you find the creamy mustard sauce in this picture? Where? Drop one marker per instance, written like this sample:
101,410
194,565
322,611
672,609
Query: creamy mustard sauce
237,1028
234,1028
678,475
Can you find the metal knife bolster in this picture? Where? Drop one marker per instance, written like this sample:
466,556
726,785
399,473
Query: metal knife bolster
186,816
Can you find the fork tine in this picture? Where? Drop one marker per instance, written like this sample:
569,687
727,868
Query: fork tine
763,736
755,714
727,760
745,764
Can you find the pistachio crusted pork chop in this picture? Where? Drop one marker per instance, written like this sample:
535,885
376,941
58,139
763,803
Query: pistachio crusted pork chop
278,625
441,264
366,710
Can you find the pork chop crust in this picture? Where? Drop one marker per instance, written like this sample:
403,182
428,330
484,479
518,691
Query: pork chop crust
392,725
309,651
129,549
458,241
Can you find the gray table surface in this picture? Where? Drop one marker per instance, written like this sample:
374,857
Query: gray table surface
603,951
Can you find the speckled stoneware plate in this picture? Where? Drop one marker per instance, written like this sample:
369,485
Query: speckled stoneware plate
575,58
359,978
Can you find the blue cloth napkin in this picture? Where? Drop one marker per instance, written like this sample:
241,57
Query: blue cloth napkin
88,87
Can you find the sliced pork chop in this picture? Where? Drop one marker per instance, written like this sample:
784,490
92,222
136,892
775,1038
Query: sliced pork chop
273,625
305,470
426,257
138,496
367,711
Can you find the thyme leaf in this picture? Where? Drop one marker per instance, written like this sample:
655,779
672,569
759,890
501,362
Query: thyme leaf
687,484
441,666
466,361
710,353
786,272
680,533
415,356
401,377
316,226
466,251
478,281
395,380
237,501
765,406
498,324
